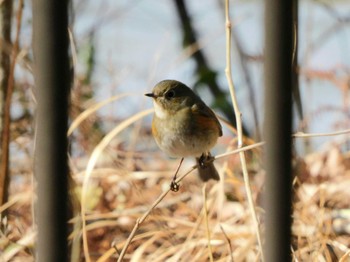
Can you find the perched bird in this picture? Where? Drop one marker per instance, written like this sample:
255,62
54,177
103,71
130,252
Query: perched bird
184,126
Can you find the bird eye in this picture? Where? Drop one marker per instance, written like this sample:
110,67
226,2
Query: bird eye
170,94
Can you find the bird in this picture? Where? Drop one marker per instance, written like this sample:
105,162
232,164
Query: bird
184,126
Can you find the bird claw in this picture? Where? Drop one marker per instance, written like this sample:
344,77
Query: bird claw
205,160
174,186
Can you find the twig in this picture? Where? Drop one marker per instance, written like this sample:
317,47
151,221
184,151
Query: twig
228,242
239,127
5,136
345,257
239,150
140,220
302,134
205,210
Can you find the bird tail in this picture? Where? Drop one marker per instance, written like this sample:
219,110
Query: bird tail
207,171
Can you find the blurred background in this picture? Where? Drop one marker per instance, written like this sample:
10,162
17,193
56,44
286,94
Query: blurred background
138,44
123,48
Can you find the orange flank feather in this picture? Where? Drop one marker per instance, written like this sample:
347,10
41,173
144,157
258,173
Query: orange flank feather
154,130
206,119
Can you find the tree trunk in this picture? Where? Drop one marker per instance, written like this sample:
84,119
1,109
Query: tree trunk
5,64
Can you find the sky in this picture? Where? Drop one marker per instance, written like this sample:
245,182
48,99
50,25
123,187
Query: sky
138,43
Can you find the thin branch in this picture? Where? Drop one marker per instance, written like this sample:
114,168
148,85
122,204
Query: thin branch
304,135
228,242
240,150
239,127
5,157
140,220
205,210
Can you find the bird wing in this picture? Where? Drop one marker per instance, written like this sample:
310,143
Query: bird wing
206,118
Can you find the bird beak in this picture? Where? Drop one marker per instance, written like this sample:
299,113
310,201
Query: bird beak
150,95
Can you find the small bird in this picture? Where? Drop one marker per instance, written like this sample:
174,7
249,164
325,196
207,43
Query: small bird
184,126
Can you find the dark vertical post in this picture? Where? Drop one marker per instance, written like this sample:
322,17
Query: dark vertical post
277,128
51,70
5,68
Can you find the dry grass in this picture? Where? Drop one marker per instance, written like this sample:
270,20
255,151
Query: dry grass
181,225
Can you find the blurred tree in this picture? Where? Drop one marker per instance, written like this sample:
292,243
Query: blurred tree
5,65
205,74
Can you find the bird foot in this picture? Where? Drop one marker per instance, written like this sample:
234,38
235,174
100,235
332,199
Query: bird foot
174,186
205,160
